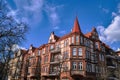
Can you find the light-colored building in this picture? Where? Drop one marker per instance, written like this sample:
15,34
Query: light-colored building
112,65
16,65
118,53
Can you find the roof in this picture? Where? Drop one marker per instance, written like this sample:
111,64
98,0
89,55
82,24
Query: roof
76,27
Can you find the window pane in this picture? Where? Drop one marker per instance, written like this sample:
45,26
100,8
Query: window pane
74,65
80,66
77,38
81,39
80,51
73,39
74,52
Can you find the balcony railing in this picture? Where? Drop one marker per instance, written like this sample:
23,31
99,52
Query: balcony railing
113,78
110,56
56,50
54,73
77,72
44,74
54,62
111,66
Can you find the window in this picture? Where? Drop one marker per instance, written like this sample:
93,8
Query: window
73,39
43,51
65,43
88,66
46,49
102,57
87,54
96,45
77,39
81,39
51,47
74,51
80,66
65,55
46,59
38,52
96,69
74,65
93,68
80,51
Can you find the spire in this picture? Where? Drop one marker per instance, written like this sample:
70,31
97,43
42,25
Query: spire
76,27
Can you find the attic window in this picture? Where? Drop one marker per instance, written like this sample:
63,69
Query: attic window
50,40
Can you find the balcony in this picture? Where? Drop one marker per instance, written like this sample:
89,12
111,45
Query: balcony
54,62
112,66
44,74
113,78
54,73
110,56
77,72
57,50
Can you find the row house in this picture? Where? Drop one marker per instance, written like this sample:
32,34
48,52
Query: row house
15,65
31,64
74,56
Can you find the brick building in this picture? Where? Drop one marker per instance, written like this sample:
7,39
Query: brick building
74,56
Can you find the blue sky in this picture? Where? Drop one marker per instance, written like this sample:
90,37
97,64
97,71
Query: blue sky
45,16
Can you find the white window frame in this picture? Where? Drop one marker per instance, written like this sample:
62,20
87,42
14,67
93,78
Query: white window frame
77,39
72,39
80,66
79,51
74,65
74,51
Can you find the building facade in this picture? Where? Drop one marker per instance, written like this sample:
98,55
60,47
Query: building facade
74,56
31,68
16,64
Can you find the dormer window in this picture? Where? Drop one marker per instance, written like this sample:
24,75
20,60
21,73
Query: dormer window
50,40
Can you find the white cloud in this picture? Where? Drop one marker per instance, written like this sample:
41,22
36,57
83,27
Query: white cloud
114,14
29,11
52,14
112,32
16,47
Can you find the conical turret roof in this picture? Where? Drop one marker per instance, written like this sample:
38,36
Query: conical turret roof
76,27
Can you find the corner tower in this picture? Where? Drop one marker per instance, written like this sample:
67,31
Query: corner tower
76,27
